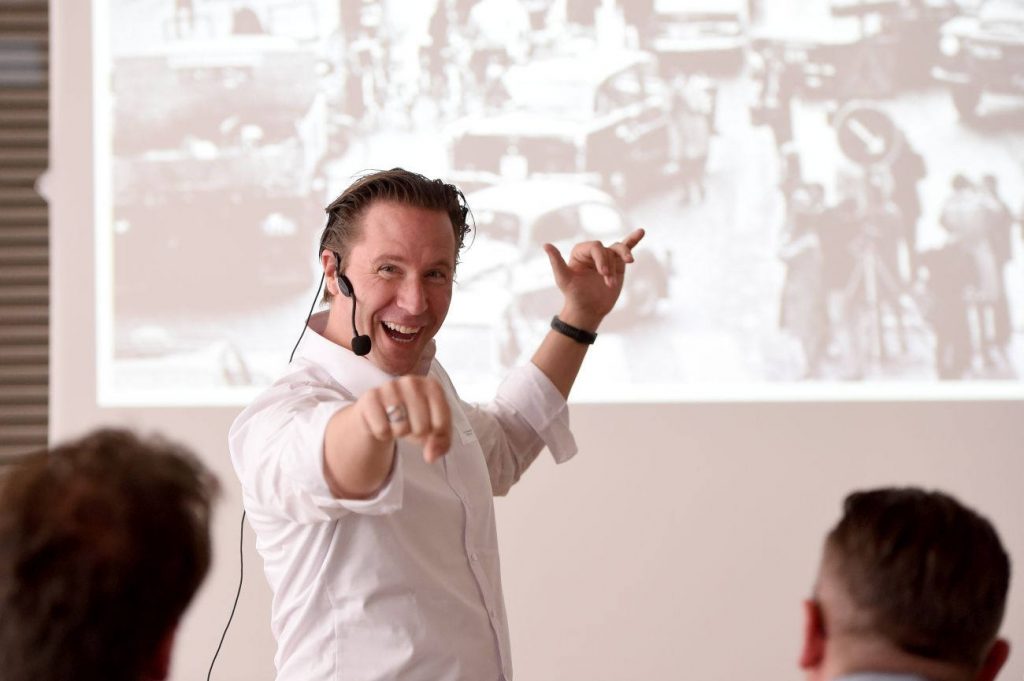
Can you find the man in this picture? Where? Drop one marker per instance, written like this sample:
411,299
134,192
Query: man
103,543
691,134
999,230
369,483
912,587
907,171
965,217
947,274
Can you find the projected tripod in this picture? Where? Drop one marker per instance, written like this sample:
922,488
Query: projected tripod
870,290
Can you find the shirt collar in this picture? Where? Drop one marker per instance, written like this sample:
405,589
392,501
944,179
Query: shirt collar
880,676
426,359
357,374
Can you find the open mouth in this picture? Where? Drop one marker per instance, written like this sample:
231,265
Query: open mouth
399,333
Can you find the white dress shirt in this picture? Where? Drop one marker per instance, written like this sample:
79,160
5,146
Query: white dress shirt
405,585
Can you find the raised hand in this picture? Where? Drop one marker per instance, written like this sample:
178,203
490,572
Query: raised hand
591,280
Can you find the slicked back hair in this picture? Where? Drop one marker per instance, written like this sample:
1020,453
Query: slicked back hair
103,543
928,574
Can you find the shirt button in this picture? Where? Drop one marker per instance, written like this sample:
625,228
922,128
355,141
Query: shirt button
473,557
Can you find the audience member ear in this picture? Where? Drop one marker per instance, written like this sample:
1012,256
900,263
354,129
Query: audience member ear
813,652
994,660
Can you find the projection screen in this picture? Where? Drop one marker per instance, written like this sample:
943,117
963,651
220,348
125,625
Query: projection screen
804,239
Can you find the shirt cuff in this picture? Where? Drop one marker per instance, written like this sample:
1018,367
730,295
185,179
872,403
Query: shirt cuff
534,397
388,498
309,474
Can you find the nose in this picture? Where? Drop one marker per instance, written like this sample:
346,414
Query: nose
412,297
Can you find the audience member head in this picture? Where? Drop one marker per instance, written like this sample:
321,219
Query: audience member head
910,582
103,543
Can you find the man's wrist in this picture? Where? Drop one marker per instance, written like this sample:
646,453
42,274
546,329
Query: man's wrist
580,319
577,334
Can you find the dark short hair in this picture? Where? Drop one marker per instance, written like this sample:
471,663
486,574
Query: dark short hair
929,574
345,213
103,543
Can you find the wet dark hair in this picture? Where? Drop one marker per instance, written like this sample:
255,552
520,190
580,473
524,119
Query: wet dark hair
103,543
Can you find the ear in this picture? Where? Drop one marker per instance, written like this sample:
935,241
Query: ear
330,268
994,660
159,667
813,653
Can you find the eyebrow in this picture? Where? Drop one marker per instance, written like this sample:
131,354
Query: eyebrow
447,264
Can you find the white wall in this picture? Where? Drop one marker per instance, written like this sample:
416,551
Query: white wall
677,545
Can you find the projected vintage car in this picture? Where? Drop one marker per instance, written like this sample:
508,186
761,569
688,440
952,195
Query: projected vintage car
859,48
600,118
983,53
217,150
506,279
698,36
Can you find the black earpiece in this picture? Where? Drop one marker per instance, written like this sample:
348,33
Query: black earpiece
360,343
345,286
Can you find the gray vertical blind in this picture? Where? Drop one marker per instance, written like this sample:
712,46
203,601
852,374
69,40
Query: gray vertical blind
24,237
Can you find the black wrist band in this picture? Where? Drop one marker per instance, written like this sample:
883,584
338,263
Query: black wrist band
578,335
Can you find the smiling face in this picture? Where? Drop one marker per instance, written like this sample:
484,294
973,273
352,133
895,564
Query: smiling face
401,268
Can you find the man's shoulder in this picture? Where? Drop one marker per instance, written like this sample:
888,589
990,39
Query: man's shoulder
301,381
301,373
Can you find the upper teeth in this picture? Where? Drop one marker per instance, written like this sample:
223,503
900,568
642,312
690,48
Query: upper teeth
402,329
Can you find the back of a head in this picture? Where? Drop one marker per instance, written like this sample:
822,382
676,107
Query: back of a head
921,571
103,543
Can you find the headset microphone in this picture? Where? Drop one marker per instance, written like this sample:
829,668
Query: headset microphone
360,343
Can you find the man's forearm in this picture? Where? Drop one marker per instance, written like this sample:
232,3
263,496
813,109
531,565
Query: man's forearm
356,464
561,357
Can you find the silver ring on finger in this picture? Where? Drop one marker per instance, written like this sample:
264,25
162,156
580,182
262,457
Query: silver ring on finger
396,413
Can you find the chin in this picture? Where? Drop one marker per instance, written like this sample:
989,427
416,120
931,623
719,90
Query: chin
392,365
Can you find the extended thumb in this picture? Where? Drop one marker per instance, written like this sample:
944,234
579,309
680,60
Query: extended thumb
558,265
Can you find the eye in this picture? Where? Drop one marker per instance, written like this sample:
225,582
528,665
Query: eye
387,269
437,275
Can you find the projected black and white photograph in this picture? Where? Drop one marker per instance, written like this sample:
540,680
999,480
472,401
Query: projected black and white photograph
833,192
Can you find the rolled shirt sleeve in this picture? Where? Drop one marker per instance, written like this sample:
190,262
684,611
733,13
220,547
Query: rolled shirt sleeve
527,415
277,449
531,394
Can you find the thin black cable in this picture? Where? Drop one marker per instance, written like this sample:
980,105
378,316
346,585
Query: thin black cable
309,316
241,574
355,332
241,527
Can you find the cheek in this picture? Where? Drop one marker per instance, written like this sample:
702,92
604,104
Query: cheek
441,300
375,294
